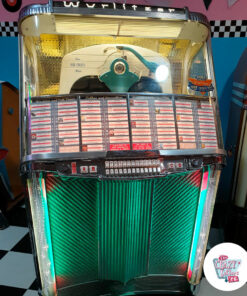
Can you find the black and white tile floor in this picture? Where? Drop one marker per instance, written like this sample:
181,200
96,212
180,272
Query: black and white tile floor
17,273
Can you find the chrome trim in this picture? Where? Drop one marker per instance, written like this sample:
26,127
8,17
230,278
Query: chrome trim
123,154
34,9
117,94
119,12
200,18
20,55
217,110
184,14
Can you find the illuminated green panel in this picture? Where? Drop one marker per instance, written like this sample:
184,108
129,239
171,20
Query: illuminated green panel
124,230
73,215
118,230
173,218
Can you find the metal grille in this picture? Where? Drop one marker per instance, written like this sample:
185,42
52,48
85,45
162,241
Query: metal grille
72,204
124,229
173,217
118,230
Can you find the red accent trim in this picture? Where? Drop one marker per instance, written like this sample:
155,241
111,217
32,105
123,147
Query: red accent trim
189,274
115,147
204,181
142,146
73,168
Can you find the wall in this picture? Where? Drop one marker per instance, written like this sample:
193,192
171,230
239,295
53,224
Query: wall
226,51
9,67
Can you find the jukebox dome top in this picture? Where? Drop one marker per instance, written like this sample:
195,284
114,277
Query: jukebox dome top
54,36
77,58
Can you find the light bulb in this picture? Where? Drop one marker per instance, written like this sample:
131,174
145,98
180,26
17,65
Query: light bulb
161,73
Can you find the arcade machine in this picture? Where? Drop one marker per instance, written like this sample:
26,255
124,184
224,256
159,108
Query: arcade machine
234,181
121,146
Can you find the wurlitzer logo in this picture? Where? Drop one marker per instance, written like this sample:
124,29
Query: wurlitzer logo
227,269
115,6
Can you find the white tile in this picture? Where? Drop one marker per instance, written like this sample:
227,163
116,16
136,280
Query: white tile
17,270
10,236
206,289
31,293
239,23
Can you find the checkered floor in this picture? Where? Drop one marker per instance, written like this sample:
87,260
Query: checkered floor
17,273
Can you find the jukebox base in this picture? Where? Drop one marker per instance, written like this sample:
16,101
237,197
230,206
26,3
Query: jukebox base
167,285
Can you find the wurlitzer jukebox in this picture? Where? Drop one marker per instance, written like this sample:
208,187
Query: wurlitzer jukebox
121,146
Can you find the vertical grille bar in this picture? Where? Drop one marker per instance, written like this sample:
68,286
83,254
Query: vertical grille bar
125,220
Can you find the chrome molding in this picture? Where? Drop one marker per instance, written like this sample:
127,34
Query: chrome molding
122,154
90,8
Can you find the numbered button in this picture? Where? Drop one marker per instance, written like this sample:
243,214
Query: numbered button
84,169
179,165
171,165
93,169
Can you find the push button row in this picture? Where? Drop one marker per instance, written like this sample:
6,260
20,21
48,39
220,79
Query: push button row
132,163
132,171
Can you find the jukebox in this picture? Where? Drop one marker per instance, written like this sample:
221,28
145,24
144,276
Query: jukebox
121,146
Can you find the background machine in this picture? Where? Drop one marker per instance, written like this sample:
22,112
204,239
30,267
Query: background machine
121,146
233,183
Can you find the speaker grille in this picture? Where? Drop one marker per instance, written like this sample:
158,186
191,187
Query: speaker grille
124,229
173,218
73,212
119,230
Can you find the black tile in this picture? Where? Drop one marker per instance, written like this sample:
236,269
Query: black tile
6,290
34,286
23,246
2,253
17,217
